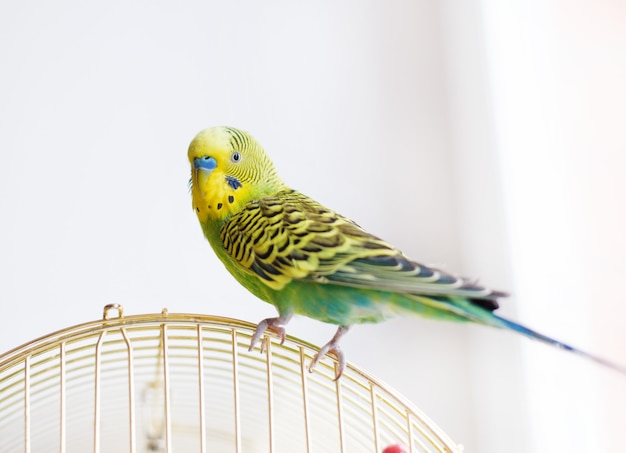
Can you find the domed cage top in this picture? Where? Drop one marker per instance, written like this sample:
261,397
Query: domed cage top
187,383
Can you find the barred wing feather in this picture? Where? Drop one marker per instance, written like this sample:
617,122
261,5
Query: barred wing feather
289,236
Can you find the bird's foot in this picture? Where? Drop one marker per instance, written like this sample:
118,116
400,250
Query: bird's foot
273,324
333,347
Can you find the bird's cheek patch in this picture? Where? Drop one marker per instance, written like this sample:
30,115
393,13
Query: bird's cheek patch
233,182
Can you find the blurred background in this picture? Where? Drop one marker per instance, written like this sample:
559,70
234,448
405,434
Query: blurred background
485,137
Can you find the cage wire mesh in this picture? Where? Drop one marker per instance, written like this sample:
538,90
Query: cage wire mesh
187,383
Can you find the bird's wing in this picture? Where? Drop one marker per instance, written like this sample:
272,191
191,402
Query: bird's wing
399,274
291,237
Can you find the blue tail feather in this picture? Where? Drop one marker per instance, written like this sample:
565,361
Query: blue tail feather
505,323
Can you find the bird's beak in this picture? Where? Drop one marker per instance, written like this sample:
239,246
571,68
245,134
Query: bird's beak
202,166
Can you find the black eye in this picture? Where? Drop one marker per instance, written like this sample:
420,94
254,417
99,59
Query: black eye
235,157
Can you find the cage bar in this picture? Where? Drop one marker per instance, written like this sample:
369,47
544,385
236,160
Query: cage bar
178,382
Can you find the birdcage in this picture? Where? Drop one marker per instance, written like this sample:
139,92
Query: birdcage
187,383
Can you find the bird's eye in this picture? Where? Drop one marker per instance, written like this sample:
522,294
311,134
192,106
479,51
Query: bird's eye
235,157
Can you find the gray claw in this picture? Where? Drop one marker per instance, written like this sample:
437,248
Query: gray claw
333,347
273,324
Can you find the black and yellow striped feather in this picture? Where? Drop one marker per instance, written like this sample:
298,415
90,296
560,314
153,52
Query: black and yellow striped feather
288,236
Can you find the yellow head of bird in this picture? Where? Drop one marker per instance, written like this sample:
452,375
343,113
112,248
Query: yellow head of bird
228,169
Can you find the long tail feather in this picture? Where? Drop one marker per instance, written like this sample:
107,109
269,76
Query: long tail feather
545,339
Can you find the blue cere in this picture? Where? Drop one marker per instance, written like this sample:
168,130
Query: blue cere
205,163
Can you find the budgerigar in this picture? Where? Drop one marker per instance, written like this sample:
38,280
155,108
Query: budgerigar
305,259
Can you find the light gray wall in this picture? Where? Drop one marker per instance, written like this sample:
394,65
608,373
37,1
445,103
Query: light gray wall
398,115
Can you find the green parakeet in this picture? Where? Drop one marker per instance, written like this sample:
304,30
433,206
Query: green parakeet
306,259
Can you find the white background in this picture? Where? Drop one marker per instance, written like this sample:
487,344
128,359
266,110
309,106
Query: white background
486,137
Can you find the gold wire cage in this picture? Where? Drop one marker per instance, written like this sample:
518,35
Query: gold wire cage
187,383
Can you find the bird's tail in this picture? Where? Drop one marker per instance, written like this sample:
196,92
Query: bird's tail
505,323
